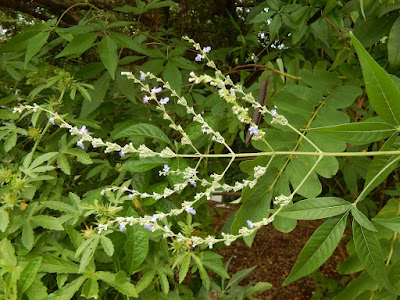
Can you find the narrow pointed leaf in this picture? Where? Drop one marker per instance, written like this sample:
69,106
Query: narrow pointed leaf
362,219
28,274
370,254
108,54
142,130
78,45
316,208
184,267
358,133
390,223
119,281
68,291
34,45
382,92
318,249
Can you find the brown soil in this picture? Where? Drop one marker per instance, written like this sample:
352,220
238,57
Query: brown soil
275,253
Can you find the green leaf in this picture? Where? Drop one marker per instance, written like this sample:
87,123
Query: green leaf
47,222
393,42
28,274
259,287
184,267
78,45
4,220
172,75
164,283
390,223
358,133
370,254
41,159
319,248
203,273
119,281
316,208
144,164
34,45
27,235
7,253
239,276
53,264
10,141
382,92
96,95
88,250
108,54
91,289
357,286
145,281
107,245
63,164
213,261
142,130
362,219
68,291
136,247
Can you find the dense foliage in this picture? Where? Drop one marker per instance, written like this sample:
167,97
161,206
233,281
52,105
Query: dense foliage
117,127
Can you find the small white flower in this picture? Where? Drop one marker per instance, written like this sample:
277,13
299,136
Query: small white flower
51,120
199,57
191,210
122,227
155,90
273,112
146,99
148,227
250,224
142,76
207,49
154,218
192,182
122,153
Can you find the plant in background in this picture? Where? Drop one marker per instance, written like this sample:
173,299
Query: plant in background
104,193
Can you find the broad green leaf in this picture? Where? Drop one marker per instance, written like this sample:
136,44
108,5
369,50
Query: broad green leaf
4,220
63,164
145,281
297,170
96,95
393,42
184,268
27,235
91,289
143,164
316,208
108,54
119,281
136,247
172,75
28,274
143,130
390,223
7,253
88,252
78,45
10,141
34,45
107,245
53,264
47,222
37,291
283,224
319,248
358,133
382,92
381,166
362,220
68,291
370,254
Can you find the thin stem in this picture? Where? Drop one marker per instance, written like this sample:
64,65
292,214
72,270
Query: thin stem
270,69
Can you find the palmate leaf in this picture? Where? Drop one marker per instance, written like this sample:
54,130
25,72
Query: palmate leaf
382,92
319,248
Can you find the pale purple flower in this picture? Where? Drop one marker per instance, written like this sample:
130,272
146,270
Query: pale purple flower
207,49
148,227
154,218
250,224
80,144
199,57
166,168
146,99
192,182
122,153
273,112
122,227
83,130
51,120
142,77
191,210
254,130
130,196
232,92
164,100
155,90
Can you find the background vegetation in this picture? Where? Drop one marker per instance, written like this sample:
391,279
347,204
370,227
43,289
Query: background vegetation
67,57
